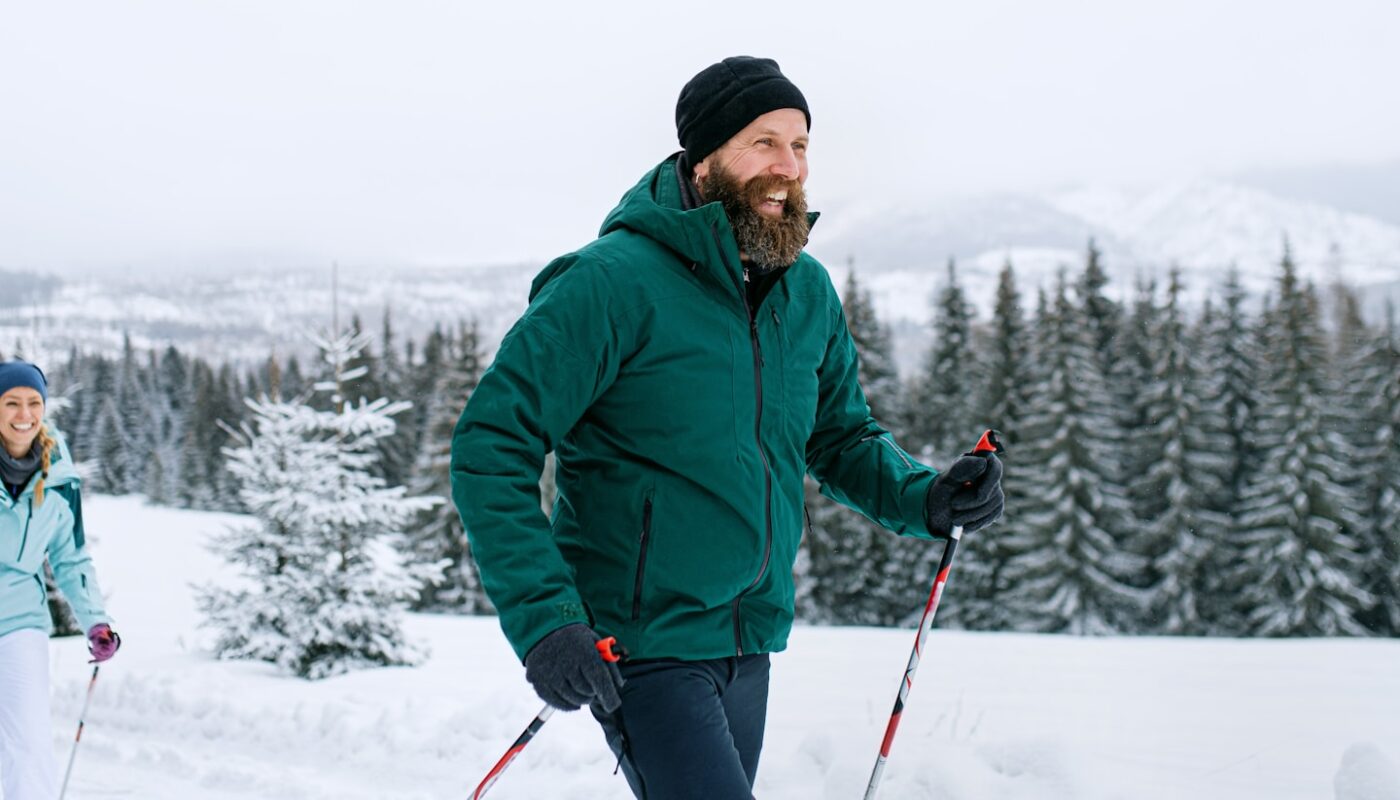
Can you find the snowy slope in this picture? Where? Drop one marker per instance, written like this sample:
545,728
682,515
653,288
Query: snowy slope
992,716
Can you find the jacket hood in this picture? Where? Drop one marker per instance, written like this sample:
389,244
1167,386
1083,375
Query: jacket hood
654,208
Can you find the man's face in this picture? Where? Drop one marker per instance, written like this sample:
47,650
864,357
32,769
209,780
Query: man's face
773,145
758,176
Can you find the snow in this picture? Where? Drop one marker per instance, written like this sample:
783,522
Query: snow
1010,717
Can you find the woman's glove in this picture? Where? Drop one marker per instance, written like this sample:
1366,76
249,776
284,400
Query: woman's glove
103,642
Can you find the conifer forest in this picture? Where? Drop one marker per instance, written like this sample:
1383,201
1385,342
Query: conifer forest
1227,466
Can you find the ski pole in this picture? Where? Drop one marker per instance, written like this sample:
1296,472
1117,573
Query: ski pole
605,650
989,443
82,717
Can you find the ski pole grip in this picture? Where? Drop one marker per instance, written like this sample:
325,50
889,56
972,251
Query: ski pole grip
990,443
605,649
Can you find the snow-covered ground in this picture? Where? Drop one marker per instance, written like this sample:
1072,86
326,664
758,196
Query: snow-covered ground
991,717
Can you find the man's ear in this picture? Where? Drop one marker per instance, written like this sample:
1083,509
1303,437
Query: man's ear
702,170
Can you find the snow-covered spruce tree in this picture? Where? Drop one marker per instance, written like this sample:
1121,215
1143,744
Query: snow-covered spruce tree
877,372
1230,397
1067,568
1300,574
940,409
195,489
1182,470
942,418
326,585
854,572
1003,380
109,450
1380,453
397,453
132,407
438,535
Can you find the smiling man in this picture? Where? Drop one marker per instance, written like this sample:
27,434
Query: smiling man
687,368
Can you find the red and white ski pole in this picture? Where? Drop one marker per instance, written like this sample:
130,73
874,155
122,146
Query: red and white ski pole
605,650
81,718
987,445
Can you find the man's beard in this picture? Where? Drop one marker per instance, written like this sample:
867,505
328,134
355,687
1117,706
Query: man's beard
770,243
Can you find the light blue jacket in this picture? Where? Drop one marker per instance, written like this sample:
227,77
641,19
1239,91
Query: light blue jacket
30,531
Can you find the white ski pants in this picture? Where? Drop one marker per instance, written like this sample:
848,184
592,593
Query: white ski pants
28,769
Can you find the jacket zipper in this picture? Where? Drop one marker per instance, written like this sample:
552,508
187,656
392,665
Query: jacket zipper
881,438
24,539
758,440
641,561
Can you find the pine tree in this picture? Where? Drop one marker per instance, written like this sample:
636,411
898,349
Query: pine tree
109,451
396,455
1380,485
196,487
322,551
1181,473
940,412
854,571
1067,569
133,422
1006,361
1102,316
1004,364
878,376
1299,575
439,535
1228,421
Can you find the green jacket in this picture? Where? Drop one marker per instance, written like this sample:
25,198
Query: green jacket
682,421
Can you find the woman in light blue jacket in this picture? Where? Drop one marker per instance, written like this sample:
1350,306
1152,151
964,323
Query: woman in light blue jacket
41,516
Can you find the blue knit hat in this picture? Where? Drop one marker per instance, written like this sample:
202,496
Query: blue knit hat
22,373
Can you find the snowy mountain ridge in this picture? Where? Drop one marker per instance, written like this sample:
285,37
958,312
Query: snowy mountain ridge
1201,226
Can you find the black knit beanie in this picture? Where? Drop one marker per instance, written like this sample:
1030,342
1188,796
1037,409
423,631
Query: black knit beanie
726,97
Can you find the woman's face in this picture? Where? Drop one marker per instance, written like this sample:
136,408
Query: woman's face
21,413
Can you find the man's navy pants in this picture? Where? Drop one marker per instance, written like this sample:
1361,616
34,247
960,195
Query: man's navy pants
690,729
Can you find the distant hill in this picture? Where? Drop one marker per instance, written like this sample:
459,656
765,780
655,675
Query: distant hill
1204,227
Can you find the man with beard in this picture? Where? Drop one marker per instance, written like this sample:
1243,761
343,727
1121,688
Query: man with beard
687,368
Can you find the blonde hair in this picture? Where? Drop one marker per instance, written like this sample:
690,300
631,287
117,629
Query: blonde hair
46,445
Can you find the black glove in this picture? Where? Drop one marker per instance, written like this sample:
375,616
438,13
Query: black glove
968,493
568,672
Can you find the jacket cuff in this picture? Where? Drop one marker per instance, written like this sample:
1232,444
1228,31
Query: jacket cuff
525,629
914,503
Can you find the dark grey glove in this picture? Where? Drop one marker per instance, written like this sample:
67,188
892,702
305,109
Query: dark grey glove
568,672
968,493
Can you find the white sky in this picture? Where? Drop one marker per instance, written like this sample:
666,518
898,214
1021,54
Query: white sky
173,133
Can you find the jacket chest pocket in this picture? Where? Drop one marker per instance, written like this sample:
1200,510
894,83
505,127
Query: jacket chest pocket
20,537
800,357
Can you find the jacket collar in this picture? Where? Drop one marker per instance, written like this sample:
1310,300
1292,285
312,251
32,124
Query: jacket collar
662,207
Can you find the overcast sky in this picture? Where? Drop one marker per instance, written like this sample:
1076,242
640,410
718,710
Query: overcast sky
269,132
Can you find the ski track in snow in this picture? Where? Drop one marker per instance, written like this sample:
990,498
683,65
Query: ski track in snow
990,717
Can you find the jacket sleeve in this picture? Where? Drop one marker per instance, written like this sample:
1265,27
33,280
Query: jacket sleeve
856,461
556,361
72,566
